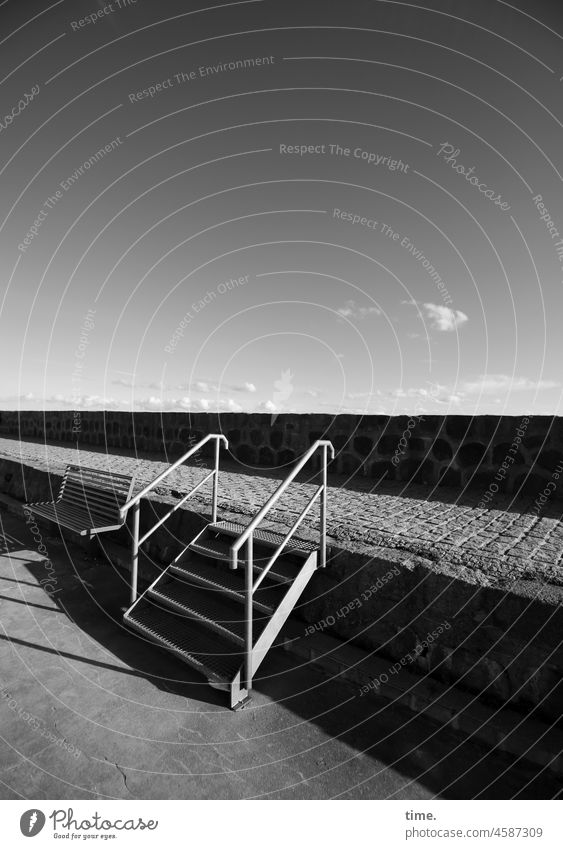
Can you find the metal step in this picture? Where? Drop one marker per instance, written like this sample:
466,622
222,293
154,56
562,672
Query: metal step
218,548
270,539
227,582
213,655
207,606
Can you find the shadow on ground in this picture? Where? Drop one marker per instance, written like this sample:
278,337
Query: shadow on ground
303,737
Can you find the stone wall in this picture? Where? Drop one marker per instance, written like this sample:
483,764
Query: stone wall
487,453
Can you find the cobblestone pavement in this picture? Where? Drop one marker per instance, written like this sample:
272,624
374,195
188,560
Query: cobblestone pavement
490,547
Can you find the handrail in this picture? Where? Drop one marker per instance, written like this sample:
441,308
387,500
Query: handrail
135,502
177,506
285,540
277,494
247,536
136,498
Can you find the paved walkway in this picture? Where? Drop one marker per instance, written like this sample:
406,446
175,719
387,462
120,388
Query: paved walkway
89,710
489,547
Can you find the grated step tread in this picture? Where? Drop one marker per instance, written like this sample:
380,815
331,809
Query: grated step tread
201,647
270,538
227,581
207,606
282,571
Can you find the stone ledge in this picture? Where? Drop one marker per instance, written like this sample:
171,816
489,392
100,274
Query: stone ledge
500,728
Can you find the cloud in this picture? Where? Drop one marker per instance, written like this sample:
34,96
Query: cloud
443,318
352,310
207,386
239,387
267,407
58,401
421,392
493,383
151,403
433,393
352,396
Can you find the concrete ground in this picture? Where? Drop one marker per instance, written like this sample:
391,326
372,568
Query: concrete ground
89,710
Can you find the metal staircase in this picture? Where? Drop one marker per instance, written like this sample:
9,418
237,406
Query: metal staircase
221,603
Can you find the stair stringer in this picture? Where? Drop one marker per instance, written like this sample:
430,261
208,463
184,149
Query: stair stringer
145,593
239,694
283,611
185,552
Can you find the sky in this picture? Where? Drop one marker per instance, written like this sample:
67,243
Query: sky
281,206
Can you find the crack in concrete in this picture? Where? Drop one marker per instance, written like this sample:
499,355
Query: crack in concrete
123,775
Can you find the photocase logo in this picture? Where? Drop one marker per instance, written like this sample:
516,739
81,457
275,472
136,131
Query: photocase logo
284,390
32,822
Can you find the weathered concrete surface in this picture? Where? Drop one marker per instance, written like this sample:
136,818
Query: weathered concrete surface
494,576
91,711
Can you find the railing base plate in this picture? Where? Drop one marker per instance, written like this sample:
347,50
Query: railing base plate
242,704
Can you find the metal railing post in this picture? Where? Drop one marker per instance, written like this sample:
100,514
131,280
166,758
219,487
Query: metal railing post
150,486
248,611
135,551
323,509
215,482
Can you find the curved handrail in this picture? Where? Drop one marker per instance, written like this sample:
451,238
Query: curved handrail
279,491
135,502
136,498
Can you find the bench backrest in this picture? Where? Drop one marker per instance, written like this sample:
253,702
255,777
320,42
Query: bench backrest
100,492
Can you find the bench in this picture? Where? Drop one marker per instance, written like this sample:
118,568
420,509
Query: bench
89,501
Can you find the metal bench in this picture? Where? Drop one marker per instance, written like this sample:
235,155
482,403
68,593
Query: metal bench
89,502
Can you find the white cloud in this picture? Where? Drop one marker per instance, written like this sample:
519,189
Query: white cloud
444,318
59,401
239,387
353,396
492,383
267,406
433,393
352,310
151,403
234,407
